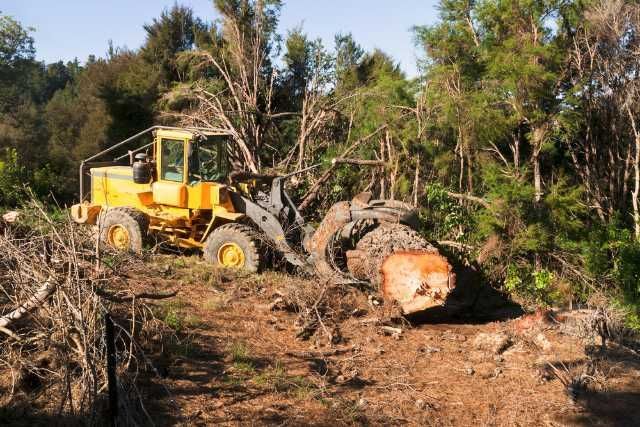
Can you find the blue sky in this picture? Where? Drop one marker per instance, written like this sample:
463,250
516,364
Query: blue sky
66,29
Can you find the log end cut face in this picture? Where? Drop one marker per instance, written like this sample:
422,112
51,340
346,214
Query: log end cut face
416,280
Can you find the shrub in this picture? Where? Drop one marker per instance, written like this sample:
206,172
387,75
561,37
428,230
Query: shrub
12,179
612,256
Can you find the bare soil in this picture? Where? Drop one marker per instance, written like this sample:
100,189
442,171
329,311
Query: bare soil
236,360
235,357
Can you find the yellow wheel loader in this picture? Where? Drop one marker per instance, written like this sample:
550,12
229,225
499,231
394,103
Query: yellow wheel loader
178,185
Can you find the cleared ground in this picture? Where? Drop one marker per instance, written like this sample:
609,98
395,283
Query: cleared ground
236,358
274,349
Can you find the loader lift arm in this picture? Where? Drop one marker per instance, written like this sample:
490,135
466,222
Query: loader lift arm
271,211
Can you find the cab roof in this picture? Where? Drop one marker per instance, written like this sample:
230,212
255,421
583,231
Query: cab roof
187,133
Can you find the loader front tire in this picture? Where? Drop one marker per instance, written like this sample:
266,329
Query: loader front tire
233,246
124,229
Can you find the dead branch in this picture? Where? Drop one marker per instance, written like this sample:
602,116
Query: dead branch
359,162
313,192
10,333
38,298
470,198
140,296
63,344
456,245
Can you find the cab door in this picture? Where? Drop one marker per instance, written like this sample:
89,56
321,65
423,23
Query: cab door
170,189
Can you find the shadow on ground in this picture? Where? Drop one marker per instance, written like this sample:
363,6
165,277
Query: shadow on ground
28,416
618,408
473,301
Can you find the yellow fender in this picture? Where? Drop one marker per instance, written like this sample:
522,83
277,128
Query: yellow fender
224,214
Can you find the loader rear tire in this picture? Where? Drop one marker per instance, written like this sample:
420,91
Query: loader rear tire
123,228
234,246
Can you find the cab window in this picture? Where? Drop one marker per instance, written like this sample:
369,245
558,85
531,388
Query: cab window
172,160
207,160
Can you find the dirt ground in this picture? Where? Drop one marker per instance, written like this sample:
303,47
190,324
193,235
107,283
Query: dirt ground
234,354
235,359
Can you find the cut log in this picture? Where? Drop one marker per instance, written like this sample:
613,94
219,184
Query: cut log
416,280
404,267
374,247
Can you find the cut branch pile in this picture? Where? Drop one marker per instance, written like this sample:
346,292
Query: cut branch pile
320,309
53,304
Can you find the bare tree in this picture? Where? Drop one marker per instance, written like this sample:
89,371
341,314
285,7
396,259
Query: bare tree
239,101
317,107
606,149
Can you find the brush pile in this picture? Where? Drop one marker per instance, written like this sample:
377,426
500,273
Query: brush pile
56,290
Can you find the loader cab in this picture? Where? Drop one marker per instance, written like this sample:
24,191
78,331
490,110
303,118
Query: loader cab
191,168
190,158
207,159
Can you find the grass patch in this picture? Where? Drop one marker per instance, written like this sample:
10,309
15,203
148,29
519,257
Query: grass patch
179,322
174,316
173,319
113,260
193,270
216,303
276,380
179,262
345,411
273,378
181,347
192,321
242,362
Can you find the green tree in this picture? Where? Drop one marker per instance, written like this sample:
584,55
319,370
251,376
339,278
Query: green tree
16,43
492,76
348,56
451,98
523,65
175,31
